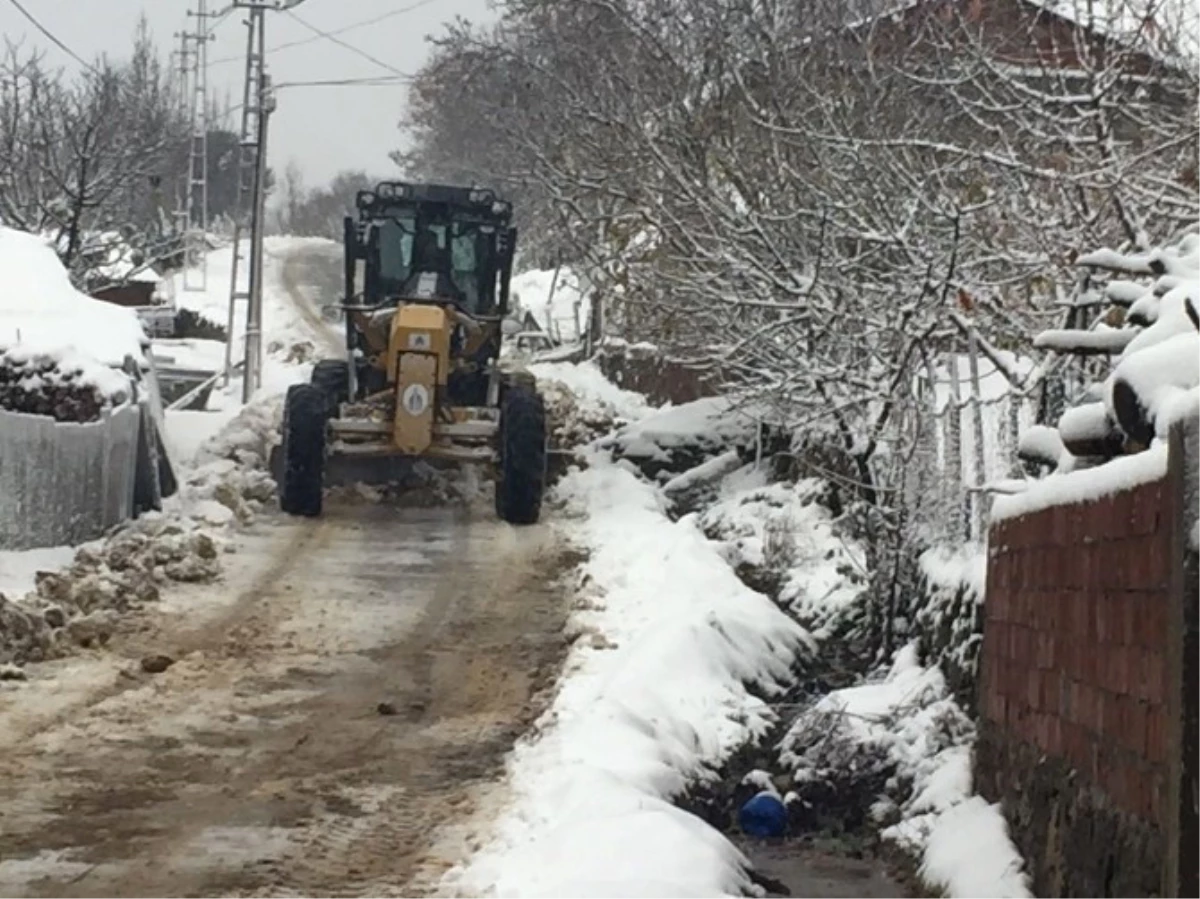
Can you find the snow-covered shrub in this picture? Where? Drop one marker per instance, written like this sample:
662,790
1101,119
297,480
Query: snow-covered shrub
946,612
678,438
783,541
900,746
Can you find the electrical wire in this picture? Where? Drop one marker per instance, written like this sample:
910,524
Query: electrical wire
341,43
287,45
44,30
381,81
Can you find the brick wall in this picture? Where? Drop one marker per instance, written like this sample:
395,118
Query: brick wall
1073,690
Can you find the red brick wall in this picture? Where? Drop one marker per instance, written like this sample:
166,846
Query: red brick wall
1075,642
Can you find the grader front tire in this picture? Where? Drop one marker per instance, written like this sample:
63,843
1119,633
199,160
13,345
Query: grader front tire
522,475
305,413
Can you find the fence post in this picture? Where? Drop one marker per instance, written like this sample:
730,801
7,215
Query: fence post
980,474
1181,872
954,460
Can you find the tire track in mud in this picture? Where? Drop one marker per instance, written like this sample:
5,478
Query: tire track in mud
259,765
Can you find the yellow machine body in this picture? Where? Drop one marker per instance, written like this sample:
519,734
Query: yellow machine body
418,363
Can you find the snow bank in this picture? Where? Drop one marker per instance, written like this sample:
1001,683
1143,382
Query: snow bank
654,695
81,604
582,405
43,317
903,736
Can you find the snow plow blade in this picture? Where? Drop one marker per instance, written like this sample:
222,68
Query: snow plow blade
343,471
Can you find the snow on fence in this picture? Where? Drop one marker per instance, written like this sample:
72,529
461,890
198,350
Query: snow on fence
65,483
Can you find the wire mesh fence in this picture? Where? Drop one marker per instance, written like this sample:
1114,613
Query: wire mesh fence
65,483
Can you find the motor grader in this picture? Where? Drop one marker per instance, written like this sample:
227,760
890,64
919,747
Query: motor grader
420,378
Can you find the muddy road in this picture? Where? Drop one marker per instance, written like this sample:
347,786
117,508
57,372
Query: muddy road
333,701
318,725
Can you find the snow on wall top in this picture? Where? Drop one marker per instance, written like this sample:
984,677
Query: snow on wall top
43,315
1083,486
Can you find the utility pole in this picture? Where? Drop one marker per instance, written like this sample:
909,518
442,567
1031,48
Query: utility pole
252,374
257,105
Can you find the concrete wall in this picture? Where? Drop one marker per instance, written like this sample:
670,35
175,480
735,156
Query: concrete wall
65,483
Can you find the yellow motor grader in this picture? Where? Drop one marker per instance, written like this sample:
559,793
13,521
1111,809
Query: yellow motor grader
420,378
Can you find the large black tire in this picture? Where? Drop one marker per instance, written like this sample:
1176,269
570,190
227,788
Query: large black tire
333,377
305,413
521,478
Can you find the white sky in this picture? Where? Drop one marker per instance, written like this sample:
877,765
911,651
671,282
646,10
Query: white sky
324,129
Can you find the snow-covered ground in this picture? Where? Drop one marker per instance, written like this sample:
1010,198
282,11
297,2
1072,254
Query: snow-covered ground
293,333
560,307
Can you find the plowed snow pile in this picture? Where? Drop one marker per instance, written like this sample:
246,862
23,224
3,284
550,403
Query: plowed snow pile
81,604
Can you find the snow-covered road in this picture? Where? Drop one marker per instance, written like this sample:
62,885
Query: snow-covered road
334,699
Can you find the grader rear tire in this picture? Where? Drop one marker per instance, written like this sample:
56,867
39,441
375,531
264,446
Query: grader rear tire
522,475
333,377
305,413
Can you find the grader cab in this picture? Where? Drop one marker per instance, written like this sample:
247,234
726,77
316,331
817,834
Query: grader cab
420,378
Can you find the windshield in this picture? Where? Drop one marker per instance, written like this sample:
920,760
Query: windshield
462,251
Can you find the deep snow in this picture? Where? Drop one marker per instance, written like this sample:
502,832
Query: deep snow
43,315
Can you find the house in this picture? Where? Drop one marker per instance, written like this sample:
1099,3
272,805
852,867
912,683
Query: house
118,273
1063,35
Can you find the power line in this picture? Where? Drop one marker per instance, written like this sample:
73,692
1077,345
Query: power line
44,30
342,43
318,37
350,82
382,81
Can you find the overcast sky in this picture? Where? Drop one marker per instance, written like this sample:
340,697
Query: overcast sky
324,129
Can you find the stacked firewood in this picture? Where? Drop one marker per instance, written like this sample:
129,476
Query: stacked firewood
41,385
1146,323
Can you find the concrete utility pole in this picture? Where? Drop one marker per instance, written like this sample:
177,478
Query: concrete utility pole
257,105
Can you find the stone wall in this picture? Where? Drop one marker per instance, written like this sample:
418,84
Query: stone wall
1075,690
645,369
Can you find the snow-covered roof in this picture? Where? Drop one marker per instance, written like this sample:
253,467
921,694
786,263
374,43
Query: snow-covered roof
115,260
41,313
